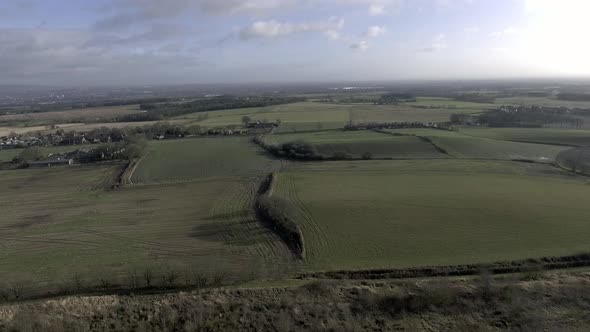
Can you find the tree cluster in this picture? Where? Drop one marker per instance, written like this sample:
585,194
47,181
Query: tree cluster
215,104
476,98
571,96
393,125
395,98
533,116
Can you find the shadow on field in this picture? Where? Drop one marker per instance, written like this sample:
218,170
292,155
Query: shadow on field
238,233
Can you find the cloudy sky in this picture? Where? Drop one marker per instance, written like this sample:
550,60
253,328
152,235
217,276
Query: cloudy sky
69,42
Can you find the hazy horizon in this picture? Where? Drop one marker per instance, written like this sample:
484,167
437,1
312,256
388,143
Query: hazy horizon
150,42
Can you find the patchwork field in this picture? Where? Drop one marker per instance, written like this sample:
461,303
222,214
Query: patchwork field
314,116
200,158
459,145
357,143
358,215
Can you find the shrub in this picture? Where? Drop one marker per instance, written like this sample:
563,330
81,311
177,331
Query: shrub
276,212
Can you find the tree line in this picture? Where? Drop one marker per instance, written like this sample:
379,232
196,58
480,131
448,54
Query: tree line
521,116
215,104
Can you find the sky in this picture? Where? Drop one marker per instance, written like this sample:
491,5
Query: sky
141,42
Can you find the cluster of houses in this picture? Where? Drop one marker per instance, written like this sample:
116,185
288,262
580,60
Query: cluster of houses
393,125
49,139
14,142
262,125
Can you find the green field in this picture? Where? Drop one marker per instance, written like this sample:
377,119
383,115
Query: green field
200,158
314,116
357,143
449,103
541,101
391,214
61,222
569,137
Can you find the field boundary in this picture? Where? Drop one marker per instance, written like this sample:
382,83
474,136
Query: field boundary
127,174
502,267
270,210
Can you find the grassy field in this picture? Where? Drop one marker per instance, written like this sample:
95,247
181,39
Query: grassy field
460,145
200,158
542,101
313,116
61,222
360,215
569,137
449,103
358,143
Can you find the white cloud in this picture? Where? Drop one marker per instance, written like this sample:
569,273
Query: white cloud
273,29
374,31
471,30
510,31
376,9
362,45
438,43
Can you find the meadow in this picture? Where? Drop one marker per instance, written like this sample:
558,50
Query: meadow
316,116
566,137
63,224
394,214
201,158
460,145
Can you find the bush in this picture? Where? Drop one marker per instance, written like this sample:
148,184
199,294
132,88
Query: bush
275,211
341,156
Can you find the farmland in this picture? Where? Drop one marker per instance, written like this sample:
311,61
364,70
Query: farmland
204,158
461,145
189,203
448,103
314,116
358,215
91,114
566,137
361,142
79,227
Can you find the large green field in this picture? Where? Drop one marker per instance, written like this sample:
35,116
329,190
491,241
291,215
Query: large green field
390,214
200,158
357,143
541,101
58,223
449,103
314,116
460,145
569,137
